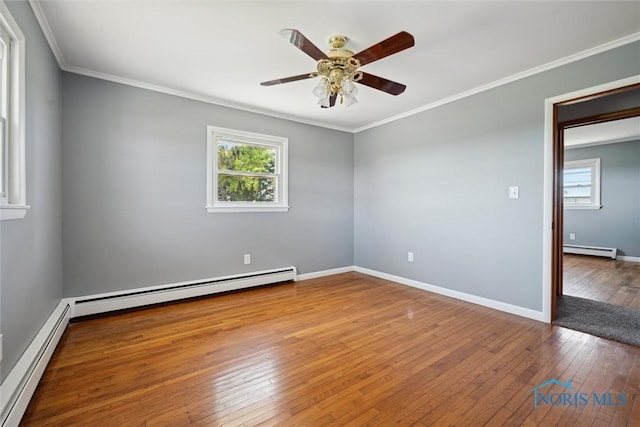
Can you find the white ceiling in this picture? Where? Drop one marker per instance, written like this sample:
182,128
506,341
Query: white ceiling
603,133
220,51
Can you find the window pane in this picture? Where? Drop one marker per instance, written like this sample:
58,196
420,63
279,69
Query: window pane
585,200
577,200
577,191
577,176
237,157
235,188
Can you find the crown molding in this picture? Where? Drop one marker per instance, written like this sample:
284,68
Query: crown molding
528,73
198,97
46,29
48,33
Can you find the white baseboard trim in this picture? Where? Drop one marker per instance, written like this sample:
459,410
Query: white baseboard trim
18,388
324,273
474,299
628,258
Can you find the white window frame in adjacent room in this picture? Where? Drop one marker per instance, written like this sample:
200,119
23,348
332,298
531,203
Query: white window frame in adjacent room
279,144
13,203
594,164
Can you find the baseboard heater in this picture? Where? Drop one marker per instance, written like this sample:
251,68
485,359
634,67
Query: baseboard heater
591,250
18,388
158,294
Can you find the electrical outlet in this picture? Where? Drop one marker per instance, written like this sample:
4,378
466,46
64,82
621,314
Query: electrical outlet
247,259
572,236
410,256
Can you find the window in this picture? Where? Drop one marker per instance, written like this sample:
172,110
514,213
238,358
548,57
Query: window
582,184
12,145
246,172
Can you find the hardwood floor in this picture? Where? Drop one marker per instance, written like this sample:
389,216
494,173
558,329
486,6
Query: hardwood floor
602,279
343,350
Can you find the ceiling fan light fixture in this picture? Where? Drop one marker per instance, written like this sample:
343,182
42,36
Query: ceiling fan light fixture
336,77
348,92
325,102
350,100
322,89
338,66
348,88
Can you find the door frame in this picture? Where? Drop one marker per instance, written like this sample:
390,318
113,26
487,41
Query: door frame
552,191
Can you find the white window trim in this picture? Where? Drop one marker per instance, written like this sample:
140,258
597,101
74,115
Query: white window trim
15,207
213,205
595,163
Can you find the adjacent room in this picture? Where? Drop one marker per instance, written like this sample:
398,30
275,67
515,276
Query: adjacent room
601,227
599,293
305,213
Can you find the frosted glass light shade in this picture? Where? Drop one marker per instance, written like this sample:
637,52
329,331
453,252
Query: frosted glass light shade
348,88
322,89
349,91
324,101
350,100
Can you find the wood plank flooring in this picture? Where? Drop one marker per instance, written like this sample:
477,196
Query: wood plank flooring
602,279
345,350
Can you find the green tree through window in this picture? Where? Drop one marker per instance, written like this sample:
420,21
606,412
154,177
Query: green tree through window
246,172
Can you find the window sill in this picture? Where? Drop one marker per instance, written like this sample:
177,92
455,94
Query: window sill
9,212
236,209
583,207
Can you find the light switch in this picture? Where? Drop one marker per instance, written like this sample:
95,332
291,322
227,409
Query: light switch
513,192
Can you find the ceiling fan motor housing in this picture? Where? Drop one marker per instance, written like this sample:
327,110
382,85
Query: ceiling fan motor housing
337,49
337,68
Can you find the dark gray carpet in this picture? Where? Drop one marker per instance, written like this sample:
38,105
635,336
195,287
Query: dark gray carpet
599,318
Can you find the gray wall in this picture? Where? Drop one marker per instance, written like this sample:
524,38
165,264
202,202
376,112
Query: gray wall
31,262
134,171
135,193
617,224
436,184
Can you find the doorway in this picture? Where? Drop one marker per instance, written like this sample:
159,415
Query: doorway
615,103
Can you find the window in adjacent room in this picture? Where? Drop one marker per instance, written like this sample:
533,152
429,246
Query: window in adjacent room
12,145
247,172
582,184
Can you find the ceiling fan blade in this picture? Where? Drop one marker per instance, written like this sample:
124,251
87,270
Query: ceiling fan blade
296,38
382,84
332,101
289,79
393,44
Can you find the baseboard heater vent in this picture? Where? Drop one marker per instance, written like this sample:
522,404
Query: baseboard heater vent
18,388
158,294
591,250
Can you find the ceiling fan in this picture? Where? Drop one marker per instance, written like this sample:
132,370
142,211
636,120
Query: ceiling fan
339,67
